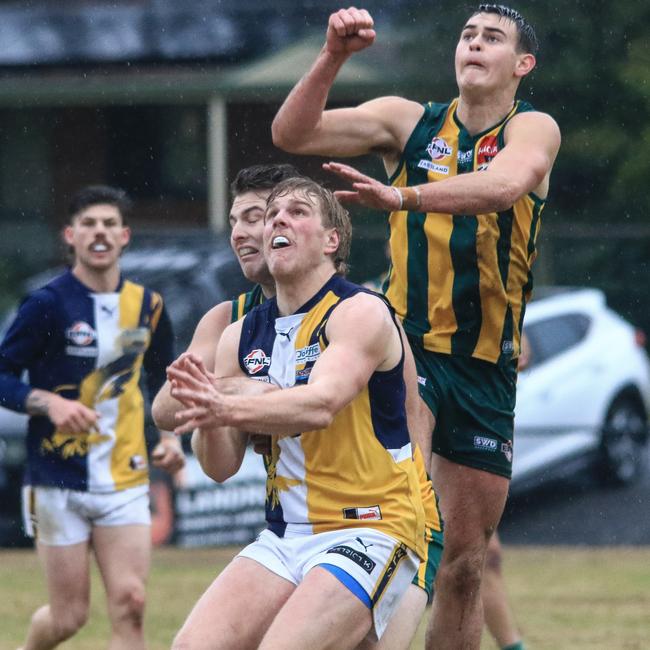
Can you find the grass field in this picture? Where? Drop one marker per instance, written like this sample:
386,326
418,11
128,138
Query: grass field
564,598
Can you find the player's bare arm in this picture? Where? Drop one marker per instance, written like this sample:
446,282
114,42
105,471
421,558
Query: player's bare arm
522,166
168,453
302,125
67,415
203,345
362,339
219,450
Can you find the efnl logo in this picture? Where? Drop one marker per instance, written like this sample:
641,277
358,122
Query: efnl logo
485,444
256,360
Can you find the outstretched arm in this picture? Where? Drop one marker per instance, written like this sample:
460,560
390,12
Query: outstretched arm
302,125
522,166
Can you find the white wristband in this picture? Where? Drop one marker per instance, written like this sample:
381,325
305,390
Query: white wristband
399,196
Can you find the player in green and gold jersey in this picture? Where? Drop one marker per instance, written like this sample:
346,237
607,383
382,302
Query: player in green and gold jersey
468,180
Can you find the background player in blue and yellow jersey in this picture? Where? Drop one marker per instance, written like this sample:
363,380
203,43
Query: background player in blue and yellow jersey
468,180
83,339
249,192
343,503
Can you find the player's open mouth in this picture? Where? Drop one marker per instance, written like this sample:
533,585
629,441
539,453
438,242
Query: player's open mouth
99,247
245,251
279,242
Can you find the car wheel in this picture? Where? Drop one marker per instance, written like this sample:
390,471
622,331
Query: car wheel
623,448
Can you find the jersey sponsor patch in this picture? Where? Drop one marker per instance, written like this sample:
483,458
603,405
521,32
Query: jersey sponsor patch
369,512
433,167
356,556
465,157
506,450
485,444
81,333
303,375
74,351
438,149
486,151
137,462
308,353
256,360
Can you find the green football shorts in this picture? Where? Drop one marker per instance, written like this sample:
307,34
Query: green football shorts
473,402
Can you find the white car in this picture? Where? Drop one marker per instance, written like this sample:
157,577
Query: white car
583,401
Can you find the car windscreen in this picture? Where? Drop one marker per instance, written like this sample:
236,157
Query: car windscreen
553,336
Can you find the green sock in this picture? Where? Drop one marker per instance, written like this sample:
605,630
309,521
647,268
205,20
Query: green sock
515,646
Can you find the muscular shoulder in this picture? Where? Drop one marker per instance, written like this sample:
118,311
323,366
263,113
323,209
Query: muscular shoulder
216,319
532,123
364,314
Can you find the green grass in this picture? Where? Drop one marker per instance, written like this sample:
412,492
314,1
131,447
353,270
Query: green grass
564,598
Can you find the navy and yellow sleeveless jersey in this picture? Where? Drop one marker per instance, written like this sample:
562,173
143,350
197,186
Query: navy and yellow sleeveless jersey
243,303
460,282
360,470
89,347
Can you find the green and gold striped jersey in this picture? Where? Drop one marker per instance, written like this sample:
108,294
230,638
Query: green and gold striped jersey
245,302
460,282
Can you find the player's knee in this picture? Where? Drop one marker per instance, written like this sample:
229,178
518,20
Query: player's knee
129,604
462,575
69,621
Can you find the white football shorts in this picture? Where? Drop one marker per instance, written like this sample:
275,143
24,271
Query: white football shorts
372,565
61,517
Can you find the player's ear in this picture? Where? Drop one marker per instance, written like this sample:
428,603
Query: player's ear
125,237
525,64
331,241
67,234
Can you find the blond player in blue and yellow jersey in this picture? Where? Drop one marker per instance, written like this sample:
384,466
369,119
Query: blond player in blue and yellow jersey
249,191
344,509
83,339
468,181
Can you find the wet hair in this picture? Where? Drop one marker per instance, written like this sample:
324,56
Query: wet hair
527,40
261,177
333,214
97,195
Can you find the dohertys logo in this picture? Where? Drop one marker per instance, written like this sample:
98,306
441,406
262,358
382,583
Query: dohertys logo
80,333
487,149
256,360
438,149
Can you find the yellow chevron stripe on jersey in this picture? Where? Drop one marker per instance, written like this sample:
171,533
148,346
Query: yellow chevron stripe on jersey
460,282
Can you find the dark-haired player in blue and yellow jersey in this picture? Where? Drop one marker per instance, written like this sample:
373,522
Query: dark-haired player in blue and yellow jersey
249,192
468,180
83,339
344,507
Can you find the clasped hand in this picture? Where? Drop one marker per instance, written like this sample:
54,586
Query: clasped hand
193,386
